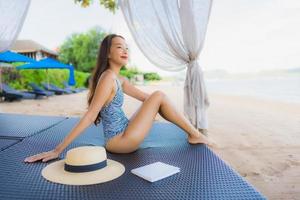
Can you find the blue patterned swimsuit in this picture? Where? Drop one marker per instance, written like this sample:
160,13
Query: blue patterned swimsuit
113,117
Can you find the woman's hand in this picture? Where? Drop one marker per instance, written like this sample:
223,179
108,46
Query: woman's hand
44,156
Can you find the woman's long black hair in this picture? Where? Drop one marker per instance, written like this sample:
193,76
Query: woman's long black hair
101,66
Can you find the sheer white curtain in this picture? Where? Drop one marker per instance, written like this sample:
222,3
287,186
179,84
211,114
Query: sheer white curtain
12,15
171,33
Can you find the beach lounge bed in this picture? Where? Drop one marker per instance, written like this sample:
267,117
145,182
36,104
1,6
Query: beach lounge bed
68,87
7,142
56,89
11,135
12,94
75,90
27,125
203,175
66,90
39,91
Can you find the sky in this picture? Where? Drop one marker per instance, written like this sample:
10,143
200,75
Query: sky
242,35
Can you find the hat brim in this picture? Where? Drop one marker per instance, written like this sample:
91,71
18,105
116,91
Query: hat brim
55,172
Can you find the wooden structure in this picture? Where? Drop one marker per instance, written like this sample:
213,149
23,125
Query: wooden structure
33,49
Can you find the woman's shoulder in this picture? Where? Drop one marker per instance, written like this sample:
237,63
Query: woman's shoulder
111,75
107,76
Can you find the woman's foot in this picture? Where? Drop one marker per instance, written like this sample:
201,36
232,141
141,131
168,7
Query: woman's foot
199,138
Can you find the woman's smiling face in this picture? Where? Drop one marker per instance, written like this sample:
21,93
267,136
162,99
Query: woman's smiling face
118,51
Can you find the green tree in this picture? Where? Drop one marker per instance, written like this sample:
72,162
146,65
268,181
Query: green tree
80,50
111,5
151,76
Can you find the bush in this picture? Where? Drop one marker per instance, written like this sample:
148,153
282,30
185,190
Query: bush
151,76
19,79
129,73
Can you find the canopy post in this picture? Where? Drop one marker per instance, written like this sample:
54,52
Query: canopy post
0,80
47,78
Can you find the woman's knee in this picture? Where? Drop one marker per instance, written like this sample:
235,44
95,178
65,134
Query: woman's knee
158,94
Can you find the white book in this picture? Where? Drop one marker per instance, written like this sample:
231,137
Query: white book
155,171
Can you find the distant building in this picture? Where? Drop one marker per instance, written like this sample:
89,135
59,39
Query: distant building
33,49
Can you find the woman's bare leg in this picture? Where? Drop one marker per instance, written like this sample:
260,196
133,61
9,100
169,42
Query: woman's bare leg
169,112
138,127
141,123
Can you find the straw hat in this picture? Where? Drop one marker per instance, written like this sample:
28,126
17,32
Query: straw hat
84,165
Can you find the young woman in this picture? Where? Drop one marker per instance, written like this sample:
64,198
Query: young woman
105,103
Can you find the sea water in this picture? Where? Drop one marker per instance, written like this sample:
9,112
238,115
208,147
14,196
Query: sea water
285,89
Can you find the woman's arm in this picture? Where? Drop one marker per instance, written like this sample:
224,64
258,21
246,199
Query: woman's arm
132,91
102,93
84,122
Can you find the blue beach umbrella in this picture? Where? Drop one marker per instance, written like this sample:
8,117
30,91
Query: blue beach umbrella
50,63
9,57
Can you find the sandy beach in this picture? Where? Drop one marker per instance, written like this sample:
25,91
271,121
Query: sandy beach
258,138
